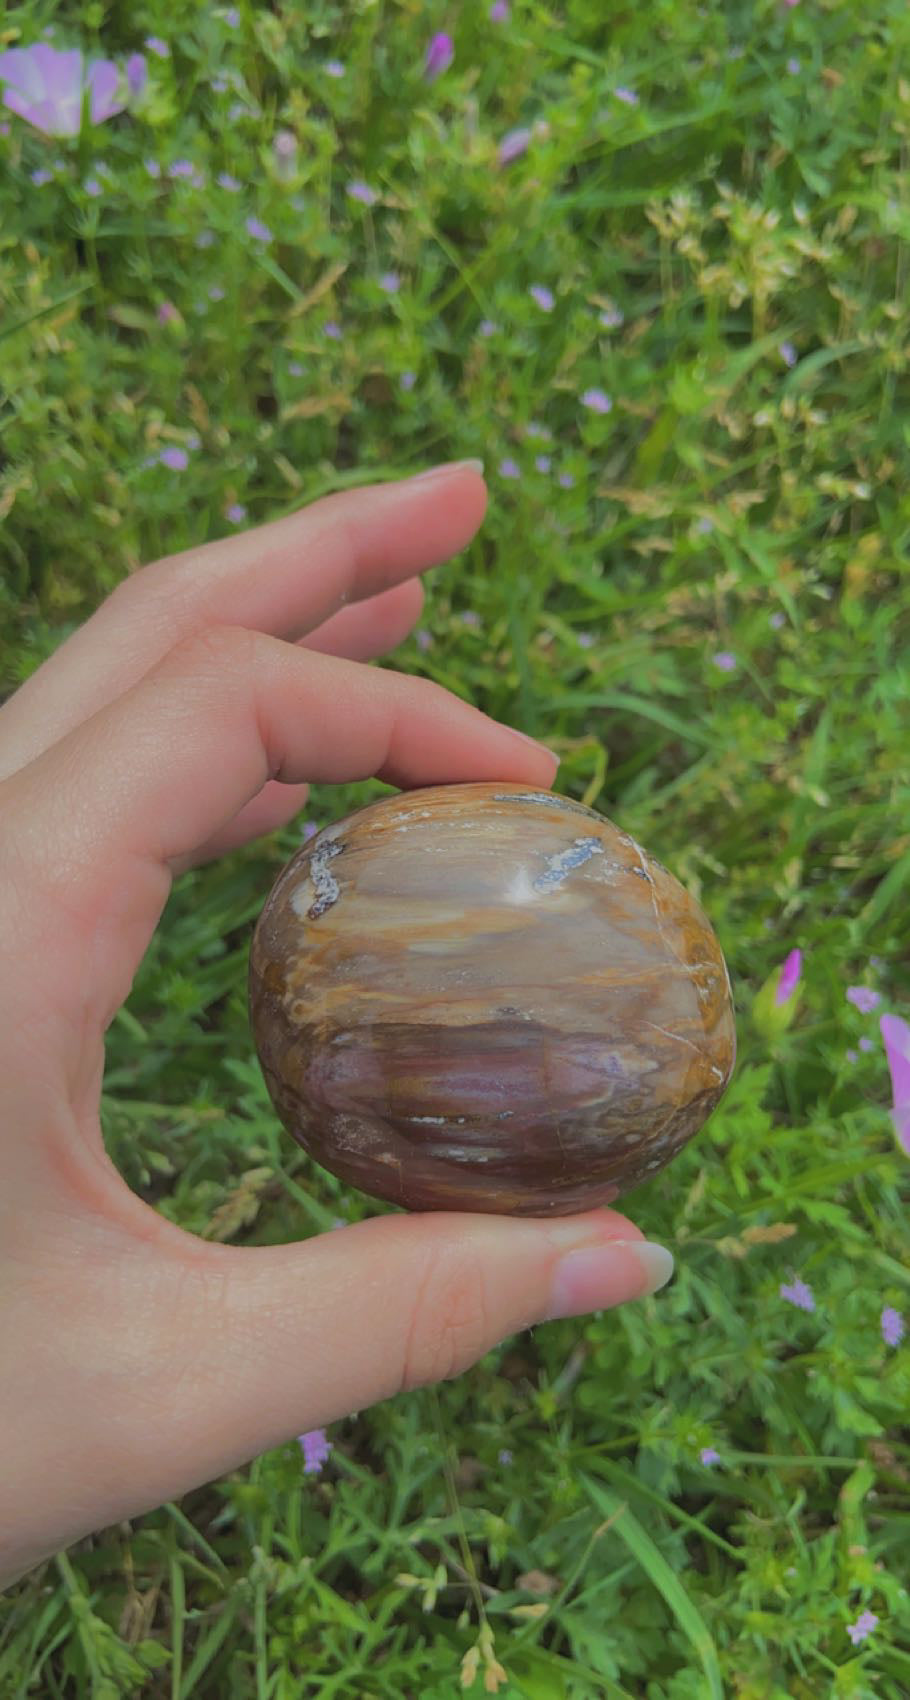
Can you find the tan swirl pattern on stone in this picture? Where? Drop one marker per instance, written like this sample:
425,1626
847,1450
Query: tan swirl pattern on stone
479,997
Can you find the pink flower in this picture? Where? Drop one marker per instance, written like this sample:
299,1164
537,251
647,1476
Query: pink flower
514,144
543,296
597,400
892,1326
440,54
791,970
863,998
316,1449
896,1035
798,1294
46,87
167,313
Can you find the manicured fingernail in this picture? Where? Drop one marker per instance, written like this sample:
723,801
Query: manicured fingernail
601,1276
447,467
534,742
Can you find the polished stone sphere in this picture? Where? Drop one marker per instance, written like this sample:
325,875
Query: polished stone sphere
484,997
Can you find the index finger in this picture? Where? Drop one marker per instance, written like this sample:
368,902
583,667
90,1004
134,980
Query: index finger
284,579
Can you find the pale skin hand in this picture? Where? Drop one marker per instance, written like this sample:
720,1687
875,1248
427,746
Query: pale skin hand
183,719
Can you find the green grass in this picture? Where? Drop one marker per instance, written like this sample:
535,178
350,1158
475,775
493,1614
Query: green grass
741,205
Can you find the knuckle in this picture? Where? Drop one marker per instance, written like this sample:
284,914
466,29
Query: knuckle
450,1321
218,649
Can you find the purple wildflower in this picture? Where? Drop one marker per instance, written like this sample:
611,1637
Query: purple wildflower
332,330
788,354
46,87
390,282
499,14
793,67
798,1293
440,53
136,74
334,68
216,293
487,327
852,1056
543,463
469,618
177,459
867,1620
892,1326
205,239
310,830
566,480
514,144
424,641
725,661
543,296
167,313
704,526
777,619
586,640
359,191
863,998
505,1456
896,1035
226,181
316,1449
611,318
509,468
236,513
41,176
155,45
597,400
232,18
408,380
153,168
627,96
285,144
181,168
535,429
709,1455
260,232
791,969
866,1044
295,369
92,186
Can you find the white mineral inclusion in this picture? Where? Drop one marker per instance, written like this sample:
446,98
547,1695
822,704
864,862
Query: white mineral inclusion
561,865
320,889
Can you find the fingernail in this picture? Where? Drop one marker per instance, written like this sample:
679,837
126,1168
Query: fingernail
534,742
601,1276
447,467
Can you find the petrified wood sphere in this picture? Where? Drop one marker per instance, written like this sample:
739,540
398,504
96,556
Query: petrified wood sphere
480,997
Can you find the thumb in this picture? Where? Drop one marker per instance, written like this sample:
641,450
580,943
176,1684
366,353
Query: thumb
183,1359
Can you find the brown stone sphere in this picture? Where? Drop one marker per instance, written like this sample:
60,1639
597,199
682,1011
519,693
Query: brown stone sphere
483,997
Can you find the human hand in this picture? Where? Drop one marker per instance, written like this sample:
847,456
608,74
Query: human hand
182,720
